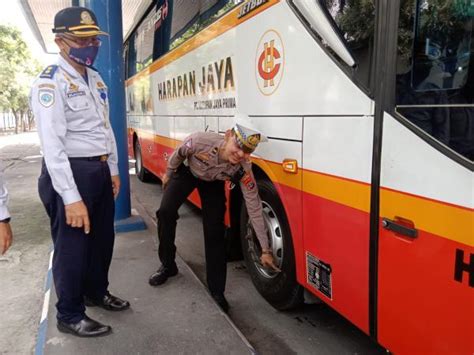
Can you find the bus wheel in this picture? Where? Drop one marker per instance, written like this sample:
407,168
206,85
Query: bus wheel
280,289
140,170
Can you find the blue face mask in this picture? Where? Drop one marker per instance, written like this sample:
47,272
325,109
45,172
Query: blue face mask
84,55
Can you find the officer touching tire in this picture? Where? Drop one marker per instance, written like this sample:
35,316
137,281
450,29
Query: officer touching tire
204,161
79,177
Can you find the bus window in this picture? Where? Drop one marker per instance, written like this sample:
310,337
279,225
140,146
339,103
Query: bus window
144,41
162,27
355,21
191,16
131,58
435,70
185,22
211,10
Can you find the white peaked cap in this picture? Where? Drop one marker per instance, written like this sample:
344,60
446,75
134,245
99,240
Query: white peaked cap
247,133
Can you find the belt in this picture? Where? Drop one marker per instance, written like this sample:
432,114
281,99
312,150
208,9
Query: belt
96,158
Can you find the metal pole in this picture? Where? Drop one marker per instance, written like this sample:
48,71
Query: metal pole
109,63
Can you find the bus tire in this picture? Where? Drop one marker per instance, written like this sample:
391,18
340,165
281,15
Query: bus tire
281,290
142,173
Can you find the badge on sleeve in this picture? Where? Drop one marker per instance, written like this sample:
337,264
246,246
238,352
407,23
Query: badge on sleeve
248,182
46,97
189,143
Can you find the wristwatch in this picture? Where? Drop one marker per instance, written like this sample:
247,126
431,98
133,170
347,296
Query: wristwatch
6,220
267,251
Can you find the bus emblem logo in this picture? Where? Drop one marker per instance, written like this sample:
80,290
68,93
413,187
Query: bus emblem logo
269,62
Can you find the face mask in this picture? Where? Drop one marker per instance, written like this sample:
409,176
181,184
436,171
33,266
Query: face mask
84,55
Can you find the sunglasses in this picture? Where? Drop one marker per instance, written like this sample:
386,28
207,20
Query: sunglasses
83,41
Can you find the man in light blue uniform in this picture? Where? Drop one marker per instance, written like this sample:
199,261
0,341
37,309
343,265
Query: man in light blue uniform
6,235
79,177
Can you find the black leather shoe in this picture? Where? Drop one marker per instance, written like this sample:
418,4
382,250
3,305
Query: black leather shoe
108,302
160,277
84,328
221,301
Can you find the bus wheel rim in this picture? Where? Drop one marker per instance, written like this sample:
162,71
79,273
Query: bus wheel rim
275,234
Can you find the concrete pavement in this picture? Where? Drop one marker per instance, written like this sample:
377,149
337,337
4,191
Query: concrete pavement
178,317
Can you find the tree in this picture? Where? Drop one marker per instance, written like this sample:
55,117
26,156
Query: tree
17,69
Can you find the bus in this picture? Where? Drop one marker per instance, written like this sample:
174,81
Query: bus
366,180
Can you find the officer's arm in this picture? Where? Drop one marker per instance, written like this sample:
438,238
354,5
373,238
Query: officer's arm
253,203
113,157
47,104
180,154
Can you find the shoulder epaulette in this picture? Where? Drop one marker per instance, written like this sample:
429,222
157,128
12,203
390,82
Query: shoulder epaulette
49,71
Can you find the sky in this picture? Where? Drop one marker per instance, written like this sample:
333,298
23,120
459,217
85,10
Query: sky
12,14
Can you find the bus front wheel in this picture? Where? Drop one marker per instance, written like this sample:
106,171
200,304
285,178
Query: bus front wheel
280,289
140,170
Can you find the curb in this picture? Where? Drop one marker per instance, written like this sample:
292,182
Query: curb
43,324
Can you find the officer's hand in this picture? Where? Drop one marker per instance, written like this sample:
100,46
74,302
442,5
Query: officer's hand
77,216
116,185
164,181
268,261
6,237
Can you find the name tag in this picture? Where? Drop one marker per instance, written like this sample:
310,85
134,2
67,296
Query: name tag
75,94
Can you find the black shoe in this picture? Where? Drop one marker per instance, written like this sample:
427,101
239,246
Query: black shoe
221,301
108,302
160,277
84,328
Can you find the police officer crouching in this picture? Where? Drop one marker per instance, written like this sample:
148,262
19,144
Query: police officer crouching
79,177
204,161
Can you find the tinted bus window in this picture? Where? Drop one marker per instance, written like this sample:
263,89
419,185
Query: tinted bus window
131,57
144,41
435,70
164,14
355,20
192,16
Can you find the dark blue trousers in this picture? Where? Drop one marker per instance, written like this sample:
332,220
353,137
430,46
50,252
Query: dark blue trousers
81,261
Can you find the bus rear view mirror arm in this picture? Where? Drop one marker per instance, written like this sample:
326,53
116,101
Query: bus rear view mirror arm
314,14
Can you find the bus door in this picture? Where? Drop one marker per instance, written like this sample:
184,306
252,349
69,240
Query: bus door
425,299
337,153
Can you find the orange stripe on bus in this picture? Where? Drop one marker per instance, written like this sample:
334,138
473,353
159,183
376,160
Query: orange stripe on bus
449,221
219,27
347,192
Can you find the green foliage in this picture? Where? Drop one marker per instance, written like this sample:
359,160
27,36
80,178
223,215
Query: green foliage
17,69
356,19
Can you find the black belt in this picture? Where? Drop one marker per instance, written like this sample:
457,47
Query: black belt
96,158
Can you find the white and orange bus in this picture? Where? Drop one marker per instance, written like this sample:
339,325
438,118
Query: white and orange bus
367,180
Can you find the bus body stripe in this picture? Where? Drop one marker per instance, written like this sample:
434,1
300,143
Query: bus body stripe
452,222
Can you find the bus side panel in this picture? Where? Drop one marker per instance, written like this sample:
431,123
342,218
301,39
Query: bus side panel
146,138
338,235
130,149
423,309
163,128
425,296
336,205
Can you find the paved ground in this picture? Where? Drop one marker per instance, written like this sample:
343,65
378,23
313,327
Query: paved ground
179,317
23,268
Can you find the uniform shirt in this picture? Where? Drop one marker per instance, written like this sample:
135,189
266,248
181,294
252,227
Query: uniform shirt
72,116
3,198
201,151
